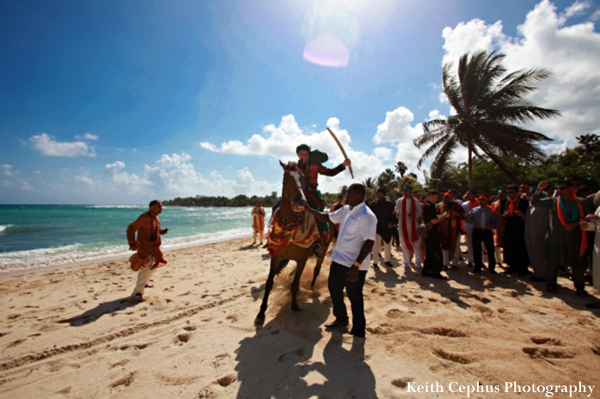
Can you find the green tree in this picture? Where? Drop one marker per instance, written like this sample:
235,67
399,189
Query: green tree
488,104
401,168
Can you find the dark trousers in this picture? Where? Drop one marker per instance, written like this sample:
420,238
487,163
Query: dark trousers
338,280
434,261
487,238
396,235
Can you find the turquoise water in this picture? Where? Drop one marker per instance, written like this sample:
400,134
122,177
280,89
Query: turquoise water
33,236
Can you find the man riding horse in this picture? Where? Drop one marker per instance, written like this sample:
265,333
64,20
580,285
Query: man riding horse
310,164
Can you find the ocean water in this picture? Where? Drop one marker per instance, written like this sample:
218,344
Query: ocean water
34,236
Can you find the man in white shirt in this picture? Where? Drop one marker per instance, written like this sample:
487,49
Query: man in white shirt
351,257
408,210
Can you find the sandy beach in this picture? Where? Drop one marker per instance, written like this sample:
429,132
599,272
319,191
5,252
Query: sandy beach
71,333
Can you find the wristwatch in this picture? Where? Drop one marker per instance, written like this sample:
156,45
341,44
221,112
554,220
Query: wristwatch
356,264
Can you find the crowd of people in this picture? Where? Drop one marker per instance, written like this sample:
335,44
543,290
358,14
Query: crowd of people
541,232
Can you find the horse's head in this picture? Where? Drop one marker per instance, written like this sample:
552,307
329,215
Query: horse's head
292,186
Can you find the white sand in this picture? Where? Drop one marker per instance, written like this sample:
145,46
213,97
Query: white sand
72,333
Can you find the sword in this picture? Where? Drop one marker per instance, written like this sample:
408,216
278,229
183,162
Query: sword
342,149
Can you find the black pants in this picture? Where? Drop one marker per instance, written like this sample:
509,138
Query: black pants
434,260
338,280
487,238
396,235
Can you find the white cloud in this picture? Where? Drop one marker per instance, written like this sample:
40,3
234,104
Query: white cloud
435,114
383,153
174,176
11,180
471,36
576,8
280,142
6,169
244,177
46,145
166,161
571,52
85,180
396,127
87,136
113,168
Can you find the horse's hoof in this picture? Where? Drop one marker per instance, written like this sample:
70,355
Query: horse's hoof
296,308
259,321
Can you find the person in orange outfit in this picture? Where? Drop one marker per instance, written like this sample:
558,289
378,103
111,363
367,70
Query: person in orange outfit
148,256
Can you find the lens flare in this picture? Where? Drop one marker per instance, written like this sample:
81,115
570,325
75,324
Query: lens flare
326,50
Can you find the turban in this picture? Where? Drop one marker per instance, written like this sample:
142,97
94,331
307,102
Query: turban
483,197
525,186
449,196
407,188
301,147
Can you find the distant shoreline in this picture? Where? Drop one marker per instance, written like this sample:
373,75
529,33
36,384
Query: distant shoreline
107,258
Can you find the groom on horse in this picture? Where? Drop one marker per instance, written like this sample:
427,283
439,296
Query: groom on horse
311,165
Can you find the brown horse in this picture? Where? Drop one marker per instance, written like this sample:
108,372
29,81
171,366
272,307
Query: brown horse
290,214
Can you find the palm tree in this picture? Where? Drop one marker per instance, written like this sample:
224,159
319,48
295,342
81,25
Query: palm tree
588,144
401,168
487,103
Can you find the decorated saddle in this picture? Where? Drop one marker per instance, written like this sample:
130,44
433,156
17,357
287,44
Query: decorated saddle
300,230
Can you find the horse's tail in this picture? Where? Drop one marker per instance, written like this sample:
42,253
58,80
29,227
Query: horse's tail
282,264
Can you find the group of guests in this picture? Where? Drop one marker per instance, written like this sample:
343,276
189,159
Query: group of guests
547,228
542,230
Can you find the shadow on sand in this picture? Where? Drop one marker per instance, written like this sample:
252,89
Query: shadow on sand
279,361
102,309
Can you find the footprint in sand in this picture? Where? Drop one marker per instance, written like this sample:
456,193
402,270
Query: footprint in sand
453,357
173,380
232,317
124,381
543,340
401,382
64,391
15,343
443,331
226,380
121,363
292,355
183,338
548,353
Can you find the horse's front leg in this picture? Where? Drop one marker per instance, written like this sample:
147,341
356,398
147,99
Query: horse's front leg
296,283
260,317
316,272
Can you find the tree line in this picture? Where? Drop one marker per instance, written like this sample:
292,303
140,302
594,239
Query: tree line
221,201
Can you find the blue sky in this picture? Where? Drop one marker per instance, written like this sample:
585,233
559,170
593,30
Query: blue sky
119,102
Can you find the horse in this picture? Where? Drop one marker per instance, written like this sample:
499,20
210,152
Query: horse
291,216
